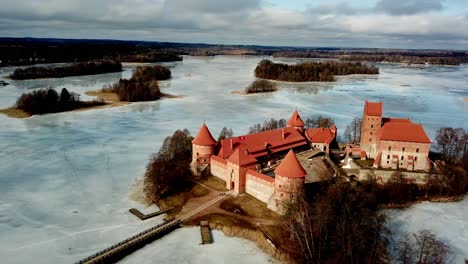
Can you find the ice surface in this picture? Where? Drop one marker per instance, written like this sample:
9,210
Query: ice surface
448,221
65,178
183,246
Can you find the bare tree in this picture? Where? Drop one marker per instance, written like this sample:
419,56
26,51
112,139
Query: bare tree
353,130
422,248
452,143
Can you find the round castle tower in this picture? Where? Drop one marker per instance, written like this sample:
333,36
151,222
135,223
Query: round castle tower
203,146
296,122
289,182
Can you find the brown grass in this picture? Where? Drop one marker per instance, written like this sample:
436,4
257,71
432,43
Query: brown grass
14,112
215,183
249,206
180,199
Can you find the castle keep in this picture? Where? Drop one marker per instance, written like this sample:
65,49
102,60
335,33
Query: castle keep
394,143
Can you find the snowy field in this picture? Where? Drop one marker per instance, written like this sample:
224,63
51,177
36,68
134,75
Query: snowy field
65,178
448,221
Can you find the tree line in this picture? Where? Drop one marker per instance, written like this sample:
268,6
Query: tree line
142,86
310,71
406,59
45,101
76,69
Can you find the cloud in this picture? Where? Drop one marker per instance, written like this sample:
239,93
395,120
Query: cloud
238,22
408,7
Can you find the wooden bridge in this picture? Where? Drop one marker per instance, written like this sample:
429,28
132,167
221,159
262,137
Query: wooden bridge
120,250
143,216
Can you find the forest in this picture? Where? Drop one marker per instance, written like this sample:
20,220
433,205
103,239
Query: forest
310,71
75,69
44,101
407,59
142,86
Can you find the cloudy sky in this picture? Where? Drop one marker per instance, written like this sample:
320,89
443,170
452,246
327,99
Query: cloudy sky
338,23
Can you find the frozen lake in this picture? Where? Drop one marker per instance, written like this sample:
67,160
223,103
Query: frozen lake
65,178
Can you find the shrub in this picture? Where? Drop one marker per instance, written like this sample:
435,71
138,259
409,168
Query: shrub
261,86
48,101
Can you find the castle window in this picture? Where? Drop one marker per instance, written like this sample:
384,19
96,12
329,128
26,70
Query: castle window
417,150
370,139
415,158
371,133
371,126
198,154
401,164
389,148
388,162
403,149
388,156
402,157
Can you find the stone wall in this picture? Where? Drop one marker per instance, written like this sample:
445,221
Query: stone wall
218,167
402,152
382,176
259,186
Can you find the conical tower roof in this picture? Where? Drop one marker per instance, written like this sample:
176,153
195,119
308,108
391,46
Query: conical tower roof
295,120
204,137
290,167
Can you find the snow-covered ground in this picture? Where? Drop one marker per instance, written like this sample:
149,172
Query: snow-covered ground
183,246
448,221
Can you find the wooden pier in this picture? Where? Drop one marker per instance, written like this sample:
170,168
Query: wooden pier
205,233
120,250
143,216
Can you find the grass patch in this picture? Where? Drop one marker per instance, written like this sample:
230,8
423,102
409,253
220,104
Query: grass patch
178,200
215,183
365,163
249,206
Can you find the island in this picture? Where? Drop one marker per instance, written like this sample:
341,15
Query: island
142,86
310,71
76,69
284,186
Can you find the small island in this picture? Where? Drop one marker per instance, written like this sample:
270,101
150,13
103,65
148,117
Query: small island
46,101
143,86
261,86
76,69
310,71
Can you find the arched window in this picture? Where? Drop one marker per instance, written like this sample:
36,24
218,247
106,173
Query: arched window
403,149
388,162
417,150
370,139
389,148
415,158
371,126
371,133
402,157
388,156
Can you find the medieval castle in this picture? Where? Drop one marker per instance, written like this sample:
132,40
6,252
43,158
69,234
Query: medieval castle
252,163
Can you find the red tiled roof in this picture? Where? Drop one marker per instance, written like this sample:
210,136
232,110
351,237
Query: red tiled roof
406,132
258,143
320,135
290,167
260,175
204,137
295,120
241,157
373,108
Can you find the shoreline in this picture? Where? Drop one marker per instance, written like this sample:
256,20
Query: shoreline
434,199
110,100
